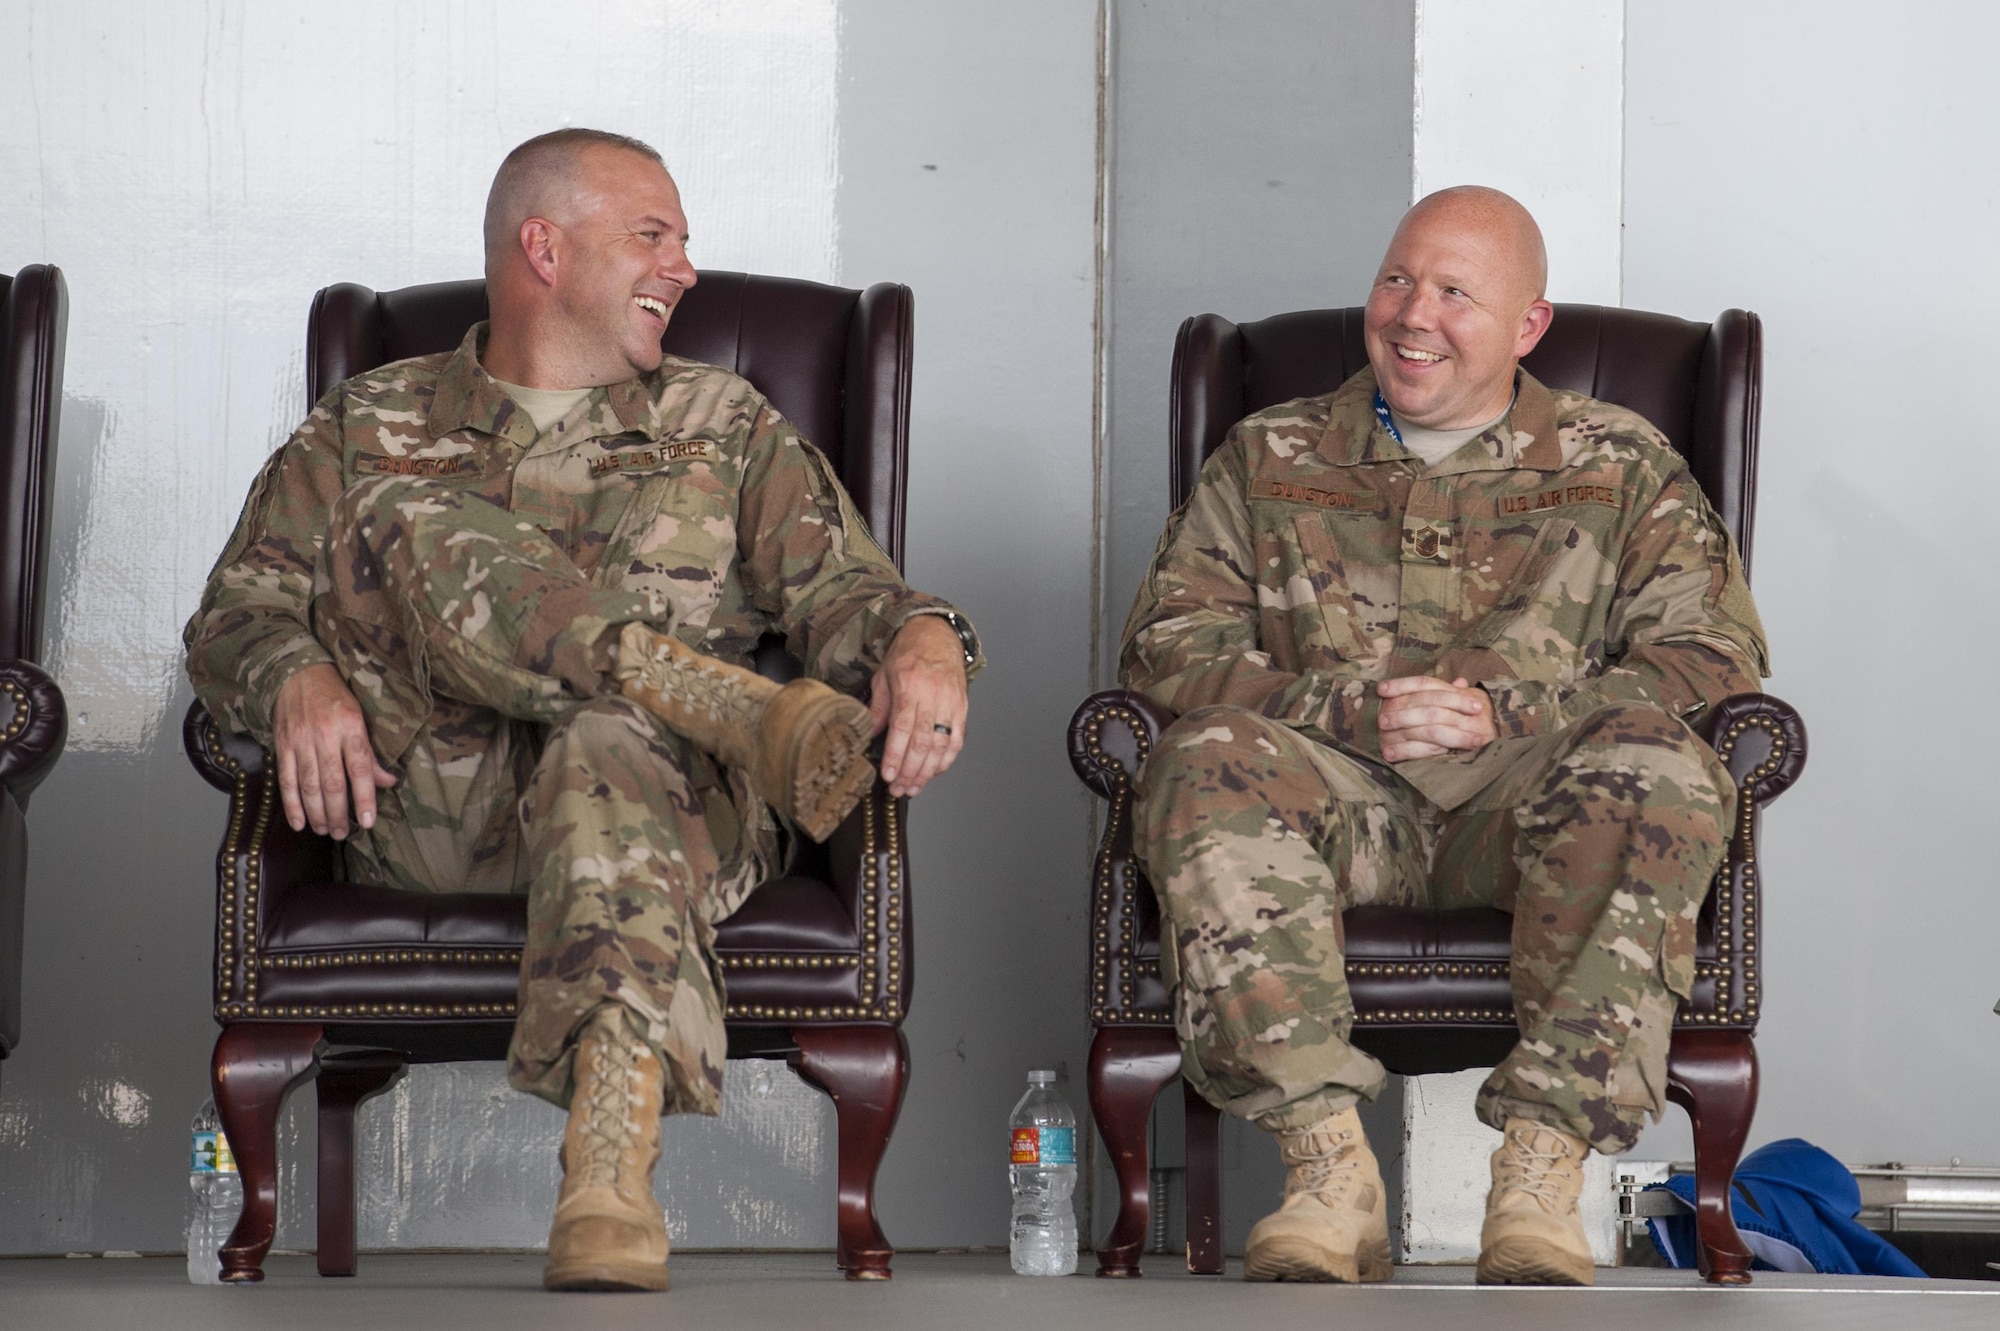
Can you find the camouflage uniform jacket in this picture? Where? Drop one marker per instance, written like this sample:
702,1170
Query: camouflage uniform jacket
1562,560
684,484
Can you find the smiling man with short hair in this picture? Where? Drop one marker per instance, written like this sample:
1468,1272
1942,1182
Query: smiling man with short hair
491,611
1438,637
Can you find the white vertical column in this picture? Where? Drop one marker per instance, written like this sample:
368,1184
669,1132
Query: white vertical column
1529,97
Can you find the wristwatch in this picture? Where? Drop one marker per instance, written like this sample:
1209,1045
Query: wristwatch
968,641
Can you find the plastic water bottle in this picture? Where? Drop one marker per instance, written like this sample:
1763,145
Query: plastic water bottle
215,1197
1043,1168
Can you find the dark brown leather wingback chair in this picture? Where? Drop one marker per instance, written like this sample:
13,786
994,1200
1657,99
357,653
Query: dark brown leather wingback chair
1431,989
34,323
351,983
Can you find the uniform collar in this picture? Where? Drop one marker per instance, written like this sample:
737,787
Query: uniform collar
468,398
1524,438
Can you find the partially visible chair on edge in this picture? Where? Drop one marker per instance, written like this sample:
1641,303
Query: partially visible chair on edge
1431,990
351,983
34,322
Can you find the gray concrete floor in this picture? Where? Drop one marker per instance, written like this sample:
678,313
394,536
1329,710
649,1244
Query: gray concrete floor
936,1291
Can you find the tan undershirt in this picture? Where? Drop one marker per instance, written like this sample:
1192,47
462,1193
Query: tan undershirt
1434,446
545,406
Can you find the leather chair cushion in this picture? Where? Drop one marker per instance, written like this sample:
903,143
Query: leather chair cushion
350,915
789,915
370,949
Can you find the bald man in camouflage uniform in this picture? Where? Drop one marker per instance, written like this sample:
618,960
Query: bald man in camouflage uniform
497,602
1438,637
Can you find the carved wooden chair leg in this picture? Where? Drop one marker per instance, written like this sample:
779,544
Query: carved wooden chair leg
344,1083
1129,1066
254,1067
1713,1075
1204,1183
864,1069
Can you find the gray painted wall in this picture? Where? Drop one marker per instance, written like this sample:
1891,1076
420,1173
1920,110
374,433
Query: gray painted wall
1262,157
968,170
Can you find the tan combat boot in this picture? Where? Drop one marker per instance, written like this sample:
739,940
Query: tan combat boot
608,1231
804,744
1533,1234
1334,1222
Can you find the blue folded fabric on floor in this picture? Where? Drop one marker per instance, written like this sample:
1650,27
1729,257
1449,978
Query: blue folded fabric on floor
1794,1206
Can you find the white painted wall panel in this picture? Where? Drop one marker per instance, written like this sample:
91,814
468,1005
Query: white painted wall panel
1828,169
1527,97
198,170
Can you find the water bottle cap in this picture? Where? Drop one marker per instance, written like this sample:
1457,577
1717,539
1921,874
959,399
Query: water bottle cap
1041,1077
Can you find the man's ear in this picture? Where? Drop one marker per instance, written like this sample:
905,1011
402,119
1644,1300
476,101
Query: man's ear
540,242
1535,321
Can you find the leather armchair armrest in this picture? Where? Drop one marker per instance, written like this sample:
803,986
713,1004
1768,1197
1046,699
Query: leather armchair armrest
261,858
221,757
1761,740
1110,736
31,738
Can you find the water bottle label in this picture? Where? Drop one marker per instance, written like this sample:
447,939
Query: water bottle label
1044,1146
212,1154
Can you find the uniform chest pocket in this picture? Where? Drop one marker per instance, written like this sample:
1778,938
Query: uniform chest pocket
1319,597
1519,593
675,540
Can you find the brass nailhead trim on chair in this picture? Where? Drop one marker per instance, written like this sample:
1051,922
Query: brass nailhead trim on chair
229,941
810,961
23,710
1489,970
880,987
393,956
338,1011
1735,1008
1126,1010
1487,1015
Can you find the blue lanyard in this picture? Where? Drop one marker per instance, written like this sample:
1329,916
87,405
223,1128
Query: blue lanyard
1388,421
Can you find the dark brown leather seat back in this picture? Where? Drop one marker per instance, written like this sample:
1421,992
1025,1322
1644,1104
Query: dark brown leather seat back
34,323
1699,383
790,338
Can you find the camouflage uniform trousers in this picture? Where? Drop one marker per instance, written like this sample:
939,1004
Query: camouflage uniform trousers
1601,840
464,627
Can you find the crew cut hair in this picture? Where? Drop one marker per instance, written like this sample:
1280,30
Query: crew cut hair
539,170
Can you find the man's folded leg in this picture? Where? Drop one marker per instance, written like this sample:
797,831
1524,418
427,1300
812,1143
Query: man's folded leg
426,590
1256,839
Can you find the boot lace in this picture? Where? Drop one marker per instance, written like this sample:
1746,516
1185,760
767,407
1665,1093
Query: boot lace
1323,1162
1538,1164
610,1099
